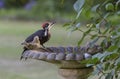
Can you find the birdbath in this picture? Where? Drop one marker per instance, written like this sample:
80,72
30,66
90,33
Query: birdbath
68,59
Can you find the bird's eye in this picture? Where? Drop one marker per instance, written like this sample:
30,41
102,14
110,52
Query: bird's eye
46,25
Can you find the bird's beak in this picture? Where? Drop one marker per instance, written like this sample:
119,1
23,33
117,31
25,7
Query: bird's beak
51,25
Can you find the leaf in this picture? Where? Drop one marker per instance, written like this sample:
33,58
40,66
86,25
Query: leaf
106,15
109,7
118,13
88,14
66,24
104,55
112,48
98,25
89,62
97,69
78,5
79,14
94,41
78,25
94,8
116,5
89,65
94,61
118,66
107,64
118,30
98,55
103,44
105,31
110,75
117,61
95,72
112,56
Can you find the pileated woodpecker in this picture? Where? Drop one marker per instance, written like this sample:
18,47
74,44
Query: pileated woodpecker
43,34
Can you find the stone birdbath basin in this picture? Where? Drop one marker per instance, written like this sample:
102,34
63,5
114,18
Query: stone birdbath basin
68,59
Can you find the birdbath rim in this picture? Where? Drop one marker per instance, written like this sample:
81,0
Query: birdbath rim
63,57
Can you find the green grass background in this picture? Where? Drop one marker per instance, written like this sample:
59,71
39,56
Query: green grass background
12,33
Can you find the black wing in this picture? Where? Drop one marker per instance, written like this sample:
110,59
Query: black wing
39,33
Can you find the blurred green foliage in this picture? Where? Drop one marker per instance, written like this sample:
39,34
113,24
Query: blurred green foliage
37,9
14,3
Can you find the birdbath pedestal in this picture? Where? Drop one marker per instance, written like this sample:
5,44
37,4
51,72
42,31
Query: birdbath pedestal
75,73
68,59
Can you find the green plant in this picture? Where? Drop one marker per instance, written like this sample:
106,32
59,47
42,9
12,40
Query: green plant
103,27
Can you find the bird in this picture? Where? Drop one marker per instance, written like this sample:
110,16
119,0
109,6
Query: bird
35,45
43,35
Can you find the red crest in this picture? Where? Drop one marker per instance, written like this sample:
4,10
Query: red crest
44,24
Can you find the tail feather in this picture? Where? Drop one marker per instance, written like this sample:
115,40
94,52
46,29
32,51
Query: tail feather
23,53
